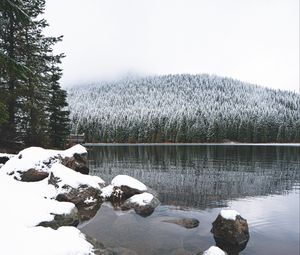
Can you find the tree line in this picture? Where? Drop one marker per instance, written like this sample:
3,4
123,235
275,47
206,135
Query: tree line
33,107
183,108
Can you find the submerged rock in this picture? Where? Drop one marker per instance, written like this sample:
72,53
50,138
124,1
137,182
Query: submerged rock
230,228
143,204
186,222
100,249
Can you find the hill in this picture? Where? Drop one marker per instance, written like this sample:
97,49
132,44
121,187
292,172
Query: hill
184,108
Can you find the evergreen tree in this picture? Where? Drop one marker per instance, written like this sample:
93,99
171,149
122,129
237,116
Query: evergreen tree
29,76
59,122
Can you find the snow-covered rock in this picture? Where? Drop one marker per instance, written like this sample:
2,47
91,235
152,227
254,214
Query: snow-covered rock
127,193
128,181
35,163
28,206
123,187
230,229
143,204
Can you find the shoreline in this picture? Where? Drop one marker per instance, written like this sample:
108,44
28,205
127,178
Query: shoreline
193,144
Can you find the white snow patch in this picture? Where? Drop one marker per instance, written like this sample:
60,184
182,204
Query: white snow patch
7,155
45,241
141,199
214,250
125,180
229,214
79,149
107,191
89,200
74,179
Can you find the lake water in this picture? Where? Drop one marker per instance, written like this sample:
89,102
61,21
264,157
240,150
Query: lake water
261,182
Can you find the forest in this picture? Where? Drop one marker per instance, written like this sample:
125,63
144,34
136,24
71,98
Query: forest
32,104
183,108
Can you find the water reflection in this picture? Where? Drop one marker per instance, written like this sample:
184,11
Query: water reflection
202,176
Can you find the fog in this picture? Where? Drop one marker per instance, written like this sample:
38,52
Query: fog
252,40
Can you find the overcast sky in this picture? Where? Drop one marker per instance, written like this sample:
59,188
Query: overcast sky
251,40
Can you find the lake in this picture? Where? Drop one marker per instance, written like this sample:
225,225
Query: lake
260,182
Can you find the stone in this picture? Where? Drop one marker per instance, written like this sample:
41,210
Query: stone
85,198
71,219
32,175
186,222
143,207
77,162
3,159
233,232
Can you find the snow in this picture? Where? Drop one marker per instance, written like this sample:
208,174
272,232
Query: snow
79,149
26,204
74,179
7,155
107,191
214,250
125,180
89,200
229,214
35,157
141,199
45,241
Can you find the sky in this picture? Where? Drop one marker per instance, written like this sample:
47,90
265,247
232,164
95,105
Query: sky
251,40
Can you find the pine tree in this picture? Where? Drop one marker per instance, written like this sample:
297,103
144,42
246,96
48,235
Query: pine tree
59,122
30,74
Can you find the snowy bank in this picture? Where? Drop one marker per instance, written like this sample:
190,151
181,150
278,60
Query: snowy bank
25,205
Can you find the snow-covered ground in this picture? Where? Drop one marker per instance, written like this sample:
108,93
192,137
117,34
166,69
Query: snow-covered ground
25,204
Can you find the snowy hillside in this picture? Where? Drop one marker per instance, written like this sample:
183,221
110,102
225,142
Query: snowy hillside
184,108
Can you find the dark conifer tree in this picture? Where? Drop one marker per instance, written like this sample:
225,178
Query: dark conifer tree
59,122
30,74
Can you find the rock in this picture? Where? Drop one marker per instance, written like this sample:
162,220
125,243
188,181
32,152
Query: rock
122,251
82,197
121,188
31,175
143,204
230,228
77,162
71,219
100,249
213,250
85,198
3,159
186,222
